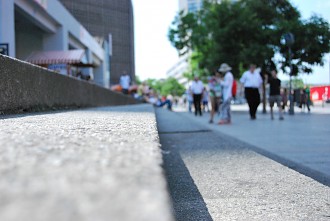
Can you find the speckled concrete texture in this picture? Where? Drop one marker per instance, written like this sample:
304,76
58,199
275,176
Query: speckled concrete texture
26,87
212,176
95,164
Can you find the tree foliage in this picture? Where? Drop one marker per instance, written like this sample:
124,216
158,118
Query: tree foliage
167,86
249,31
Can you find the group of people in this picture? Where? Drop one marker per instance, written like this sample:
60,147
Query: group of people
144,92
305,100
220,91
222,87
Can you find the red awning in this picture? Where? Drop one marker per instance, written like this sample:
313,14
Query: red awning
73,57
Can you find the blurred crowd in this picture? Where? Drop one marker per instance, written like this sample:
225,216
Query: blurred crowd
143,92
220,92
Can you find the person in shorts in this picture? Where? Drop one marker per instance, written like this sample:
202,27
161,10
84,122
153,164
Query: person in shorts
275,94
205,101
215,94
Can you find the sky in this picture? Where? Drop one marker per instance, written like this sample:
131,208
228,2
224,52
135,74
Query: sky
154,54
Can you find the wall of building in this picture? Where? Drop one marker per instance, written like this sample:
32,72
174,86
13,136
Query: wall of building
191,6
105,17
7,30
178,70
34,25
28,38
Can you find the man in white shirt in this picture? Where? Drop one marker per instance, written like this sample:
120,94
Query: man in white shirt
227,84
125,82
252,81
197,88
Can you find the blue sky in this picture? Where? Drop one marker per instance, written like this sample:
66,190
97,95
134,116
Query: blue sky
154,55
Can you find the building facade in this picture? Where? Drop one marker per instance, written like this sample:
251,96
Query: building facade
182,66
109,17
177,71
190,6
46,28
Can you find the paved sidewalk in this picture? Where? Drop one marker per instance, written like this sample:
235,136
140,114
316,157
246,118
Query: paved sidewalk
301,142
213,176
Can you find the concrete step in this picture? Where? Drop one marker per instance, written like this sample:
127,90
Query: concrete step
88,165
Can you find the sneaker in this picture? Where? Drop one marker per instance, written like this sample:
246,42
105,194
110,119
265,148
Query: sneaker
211,121
281,118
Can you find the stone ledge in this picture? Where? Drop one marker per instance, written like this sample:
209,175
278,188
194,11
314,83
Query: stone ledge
95,164
26,88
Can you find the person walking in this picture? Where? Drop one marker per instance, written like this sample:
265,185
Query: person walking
215,95
284,96
308,97
274,93
197,88
125,82
190,99
252,81
227,84
205,101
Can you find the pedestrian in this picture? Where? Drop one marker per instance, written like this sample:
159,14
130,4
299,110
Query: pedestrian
308,98
205,101
284,95
302,99
197,88
190,99
274,93
125,82
252,81
325,96
227,84
215,94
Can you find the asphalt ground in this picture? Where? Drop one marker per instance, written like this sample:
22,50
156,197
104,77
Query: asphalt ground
301,141
213,176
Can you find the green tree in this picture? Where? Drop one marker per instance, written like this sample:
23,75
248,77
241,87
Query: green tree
167,86
173,87
138,80
297,83
249,31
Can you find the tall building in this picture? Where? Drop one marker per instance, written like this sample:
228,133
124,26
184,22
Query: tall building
182,66
177,71
190,6
109,17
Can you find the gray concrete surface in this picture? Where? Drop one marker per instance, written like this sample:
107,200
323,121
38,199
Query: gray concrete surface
25,87
301,141
87,165
216,177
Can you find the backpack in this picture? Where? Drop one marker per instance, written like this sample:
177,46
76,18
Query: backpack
234,88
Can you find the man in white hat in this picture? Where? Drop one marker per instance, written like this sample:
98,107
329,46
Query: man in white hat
227,84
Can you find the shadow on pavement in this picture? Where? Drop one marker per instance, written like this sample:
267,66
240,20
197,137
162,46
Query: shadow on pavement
188,203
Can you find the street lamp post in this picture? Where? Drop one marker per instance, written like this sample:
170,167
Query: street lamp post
289,40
